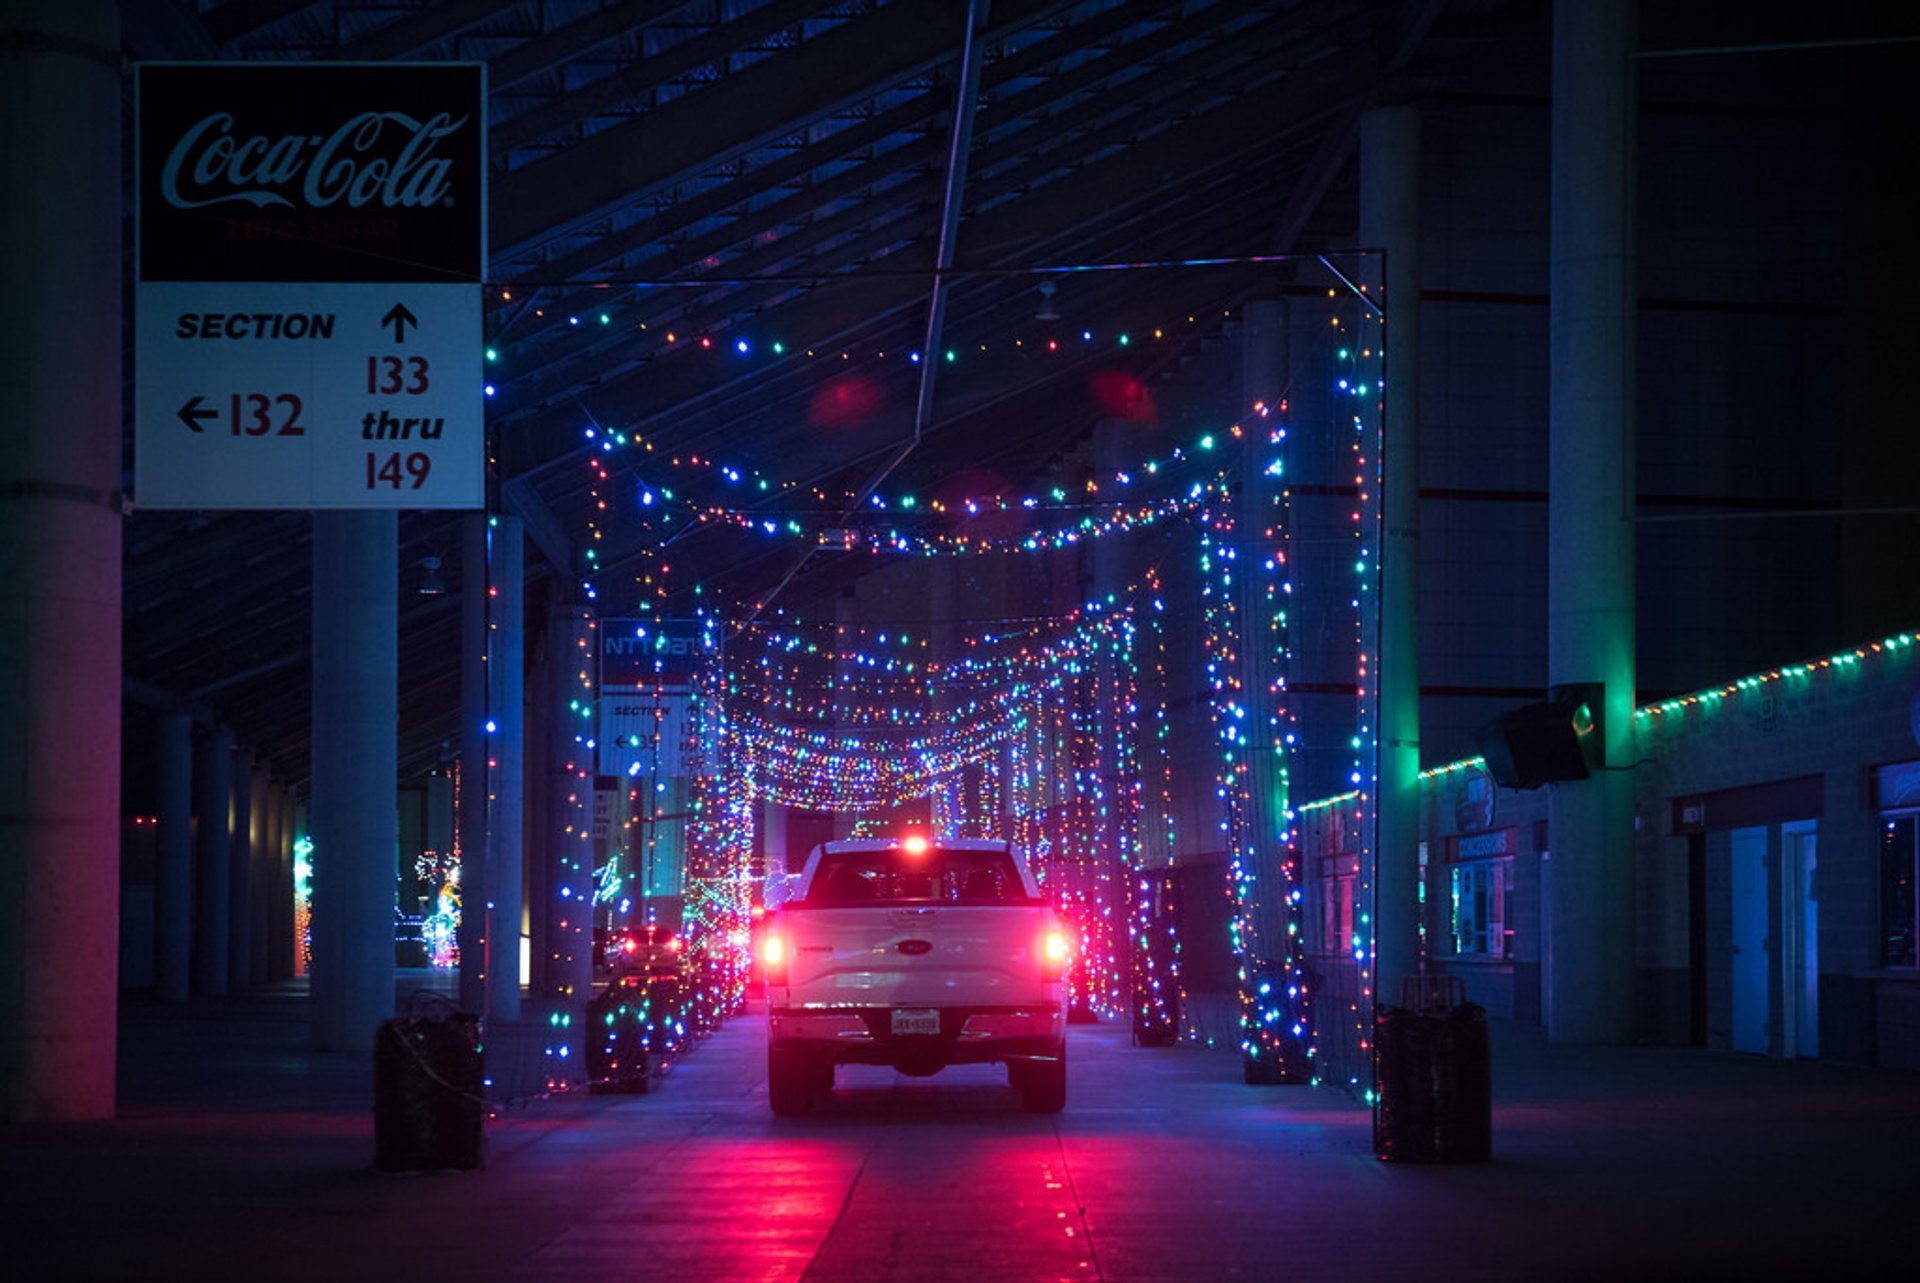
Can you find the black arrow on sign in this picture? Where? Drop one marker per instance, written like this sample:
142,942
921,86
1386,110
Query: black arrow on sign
192,412
399,318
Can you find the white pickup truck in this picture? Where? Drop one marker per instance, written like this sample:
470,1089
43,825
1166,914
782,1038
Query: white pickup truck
917,954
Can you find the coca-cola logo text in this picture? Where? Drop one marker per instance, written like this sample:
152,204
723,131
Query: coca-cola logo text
376,157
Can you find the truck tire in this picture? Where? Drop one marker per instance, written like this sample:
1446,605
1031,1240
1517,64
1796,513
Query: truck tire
1043,1084
789,1081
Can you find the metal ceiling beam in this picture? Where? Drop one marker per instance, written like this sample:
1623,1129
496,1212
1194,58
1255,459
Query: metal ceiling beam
603,358
231,23
714,201
1135,179
768,100
966,99
1164,160
166,31
821,152
852,228
617,92
184,549
1204,80
518,497
582,36
434,23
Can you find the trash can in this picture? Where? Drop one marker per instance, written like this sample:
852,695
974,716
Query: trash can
617,1040
1433,1097
1275,1014
663,1015
429,1098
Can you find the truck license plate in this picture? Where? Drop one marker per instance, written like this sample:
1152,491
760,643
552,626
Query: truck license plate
907,1020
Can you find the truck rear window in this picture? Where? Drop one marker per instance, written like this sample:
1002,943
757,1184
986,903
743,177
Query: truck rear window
932,876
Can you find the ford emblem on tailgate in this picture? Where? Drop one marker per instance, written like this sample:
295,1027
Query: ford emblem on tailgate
915,946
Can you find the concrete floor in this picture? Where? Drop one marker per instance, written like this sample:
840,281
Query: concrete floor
240,1155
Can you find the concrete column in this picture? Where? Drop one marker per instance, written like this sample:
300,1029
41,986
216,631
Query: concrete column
213,856
282,948
475,769
567,870
493,696
60,470
173,859
1390,221
1264,365
537,813
1587,877
292,821
506,682
355,771
260,891
1318,540
240,871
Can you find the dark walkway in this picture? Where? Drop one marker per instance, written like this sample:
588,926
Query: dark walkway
242,1156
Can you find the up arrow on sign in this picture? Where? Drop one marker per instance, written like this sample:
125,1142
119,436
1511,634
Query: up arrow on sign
399,318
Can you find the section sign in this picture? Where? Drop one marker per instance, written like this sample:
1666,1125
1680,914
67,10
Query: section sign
647,670
310,243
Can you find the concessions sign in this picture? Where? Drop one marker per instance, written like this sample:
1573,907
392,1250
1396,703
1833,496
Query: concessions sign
310,242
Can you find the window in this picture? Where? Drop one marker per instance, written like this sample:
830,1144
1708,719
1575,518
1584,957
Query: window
1899,886
896,874
1479,907
1337,877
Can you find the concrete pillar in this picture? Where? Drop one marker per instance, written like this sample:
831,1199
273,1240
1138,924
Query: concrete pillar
1322,634
213,855
567,870
475,769
282,947
1264,365
536,741
260,901
291,823
60,380
1587,876
492,694
1390,221
173,859
355,820
240,871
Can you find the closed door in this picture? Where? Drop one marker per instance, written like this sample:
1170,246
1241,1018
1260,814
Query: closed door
1800,942
1751,945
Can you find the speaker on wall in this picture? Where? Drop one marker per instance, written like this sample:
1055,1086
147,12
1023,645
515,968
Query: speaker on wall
1545,743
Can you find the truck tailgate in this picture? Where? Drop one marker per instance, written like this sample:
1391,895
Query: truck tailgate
916,955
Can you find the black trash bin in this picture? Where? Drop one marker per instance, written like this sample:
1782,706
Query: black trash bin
617,1058
429,1098
1433,1099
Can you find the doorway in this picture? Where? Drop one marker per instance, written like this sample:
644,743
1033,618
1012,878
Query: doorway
1751,946
1800,941
1776,933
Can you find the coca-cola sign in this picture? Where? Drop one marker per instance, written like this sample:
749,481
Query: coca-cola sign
312,172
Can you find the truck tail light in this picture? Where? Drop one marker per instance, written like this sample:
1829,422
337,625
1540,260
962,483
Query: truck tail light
773,956
1054,952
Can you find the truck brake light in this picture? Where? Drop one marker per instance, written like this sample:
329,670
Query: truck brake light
1054,952
773,955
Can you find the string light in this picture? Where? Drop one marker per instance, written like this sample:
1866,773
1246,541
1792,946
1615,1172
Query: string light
1034,734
